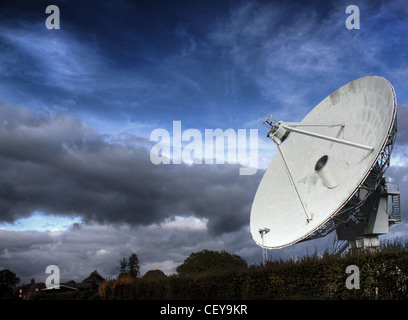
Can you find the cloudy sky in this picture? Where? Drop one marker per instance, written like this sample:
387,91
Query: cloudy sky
78,105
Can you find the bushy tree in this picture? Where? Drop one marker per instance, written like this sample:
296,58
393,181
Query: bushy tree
8,279
154,275
95,279
210,261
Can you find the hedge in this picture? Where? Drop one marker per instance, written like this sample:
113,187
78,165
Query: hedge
382,275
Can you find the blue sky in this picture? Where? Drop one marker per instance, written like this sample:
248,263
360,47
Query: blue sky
40,222
78,105
206,63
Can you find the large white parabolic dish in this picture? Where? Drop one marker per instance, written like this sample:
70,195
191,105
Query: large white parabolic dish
363,112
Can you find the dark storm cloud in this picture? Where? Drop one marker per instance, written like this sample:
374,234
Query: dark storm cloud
54,163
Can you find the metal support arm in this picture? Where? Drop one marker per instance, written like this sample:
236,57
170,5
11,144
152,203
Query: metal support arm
321,136
292,181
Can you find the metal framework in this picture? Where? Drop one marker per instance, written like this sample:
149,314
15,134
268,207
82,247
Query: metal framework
264,250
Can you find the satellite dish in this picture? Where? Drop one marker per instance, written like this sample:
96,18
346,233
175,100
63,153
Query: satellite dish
328,172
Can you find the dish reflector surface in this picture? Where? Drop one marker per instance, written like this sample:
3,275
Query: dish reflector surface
363,112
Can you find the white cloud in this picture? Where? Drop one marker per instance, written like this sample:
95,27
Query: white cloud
6,254
62,60
102,252
185,223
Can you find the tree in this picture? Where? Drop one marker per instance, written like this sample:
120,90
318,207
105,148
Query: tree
154,275
95,279
123,266
133,265
8,279
129,266
210,261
